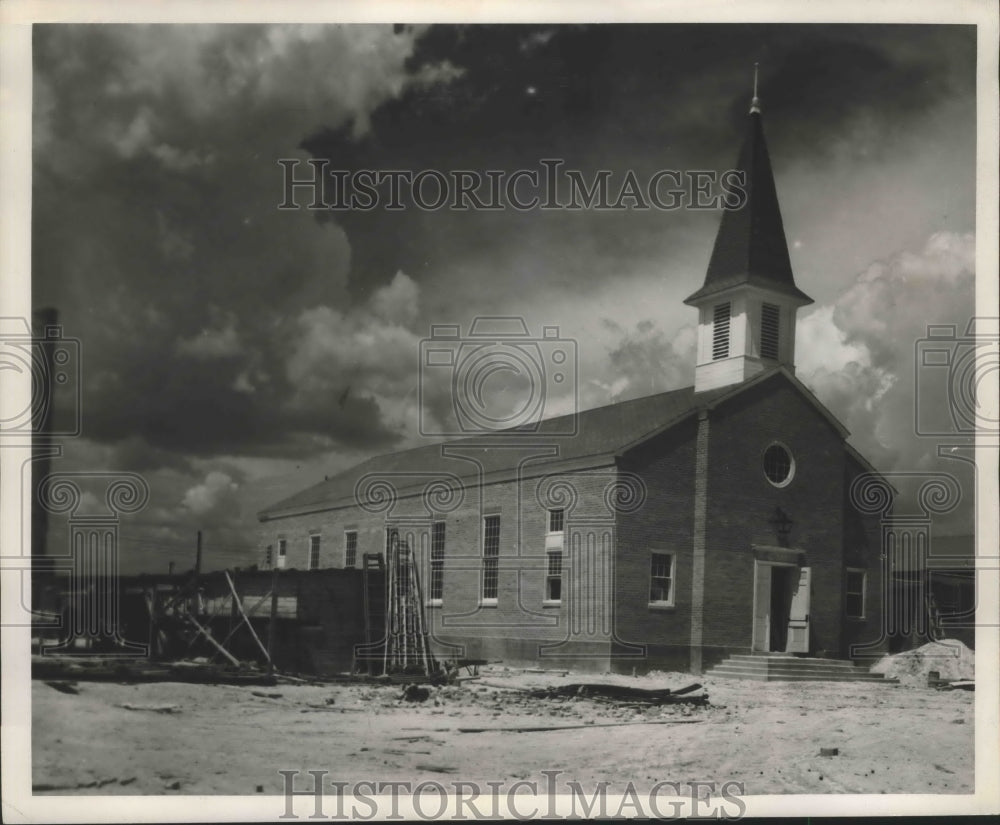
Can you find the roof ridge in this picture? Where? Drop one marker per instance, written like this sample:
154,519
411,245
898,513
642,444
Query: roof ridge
464,438
499,438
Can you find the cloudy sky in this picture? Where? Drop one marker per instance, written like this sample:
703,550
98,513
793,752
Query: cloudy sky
234,352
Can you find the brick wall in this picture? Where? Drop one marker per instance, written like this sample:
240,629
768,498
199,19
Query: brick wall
664,523
518,627
597,619
741,501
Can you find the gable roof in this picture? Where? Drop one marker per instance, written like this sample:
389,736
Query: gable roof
602,435
599,432
750,247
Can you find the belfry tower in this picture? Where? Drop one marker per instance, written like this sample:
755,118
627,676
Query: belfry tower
747,305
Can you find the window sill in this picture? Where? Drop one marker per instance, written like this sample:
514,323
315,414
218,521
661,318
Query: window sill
551,603
433,603
487,602
856,618
661,606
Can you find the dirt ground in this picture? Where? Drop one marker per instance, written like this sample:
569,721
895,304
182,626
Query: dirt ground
217,739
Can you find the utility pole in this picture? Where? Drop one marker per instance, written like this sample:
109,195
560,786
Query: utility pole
197,557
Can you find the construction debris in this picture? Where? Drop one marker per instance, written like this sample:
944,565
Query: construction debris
542,728
415,693
151,708
961,684
950,659
64,687
621,693
93,668
41,787
322,709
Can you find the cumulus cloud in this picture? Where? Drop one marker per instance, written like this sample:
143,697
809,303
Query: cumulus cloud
860,355
644,360
160,86
219,342
362,361
215,498
156,231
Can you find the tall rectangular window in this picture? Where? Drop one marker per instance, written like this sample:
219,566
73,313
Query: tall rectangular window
491,557
282,548
553,556
437,561
854,605
556,520
350,548
720,332
661,578
553,576
770,318
314,552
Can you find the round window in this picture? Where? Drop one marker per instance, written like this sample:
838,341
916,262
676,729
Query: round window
779,466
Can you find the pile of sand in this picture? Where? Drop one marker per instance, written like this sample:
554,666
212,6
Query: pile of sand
949,657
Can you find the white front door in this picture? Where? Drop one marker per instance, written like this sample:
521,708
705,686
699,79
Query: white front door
798,615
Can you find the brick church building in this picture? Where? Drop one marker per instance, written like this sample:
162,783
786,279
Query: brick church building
666,532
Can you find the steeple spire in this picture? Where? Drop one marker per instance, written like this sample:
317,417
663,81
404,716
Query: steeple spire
750,246
748,301
755,103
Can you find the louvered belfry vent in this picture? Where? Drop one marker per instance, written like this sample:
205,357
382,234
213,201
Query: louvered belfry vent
770,317
720,332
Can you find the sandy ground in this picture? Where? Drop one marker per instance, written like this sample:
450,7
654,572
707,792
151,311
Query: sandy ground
225,740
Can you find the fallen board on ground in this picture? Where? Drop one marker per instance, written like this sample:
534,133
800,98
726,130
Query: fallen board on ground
46,668
542,728
623,693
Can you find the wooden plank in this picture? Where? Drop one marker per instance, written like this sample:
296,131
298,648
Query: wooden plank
208,635
240,623
249,624
271,622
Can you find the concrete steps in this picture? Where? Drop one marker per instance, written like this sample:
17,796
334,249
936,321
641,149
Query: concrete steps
786,668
